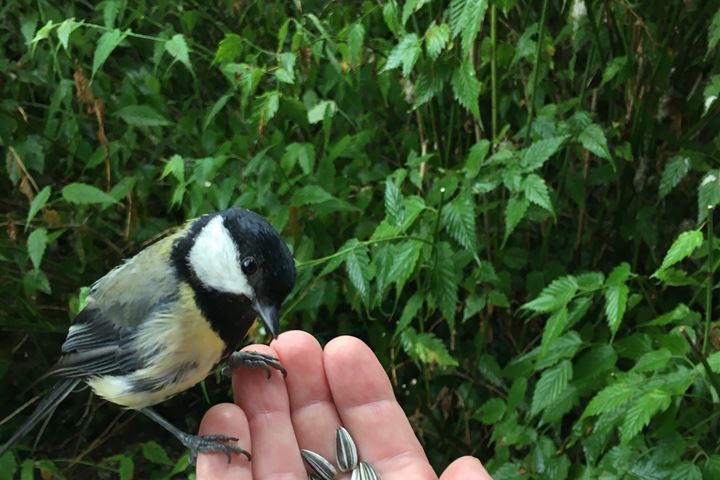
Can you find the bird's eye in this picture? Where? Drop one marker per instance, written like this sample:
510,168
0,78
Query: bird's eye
249,265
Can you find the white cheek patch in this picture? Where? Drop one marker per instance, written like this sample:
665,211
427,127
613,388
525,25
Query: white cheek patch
216,261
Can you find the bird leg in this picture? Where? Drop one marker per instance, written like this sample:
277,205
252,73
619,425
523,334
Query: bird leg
252,360
199,443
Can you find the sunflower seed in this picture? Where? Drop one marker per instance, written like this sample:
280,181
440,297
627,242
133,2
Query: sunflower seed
365,471
312,476
323,468
346,451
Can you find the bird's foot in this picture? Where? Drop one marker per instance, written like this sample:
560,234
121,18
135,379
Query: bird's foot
252,360
212,444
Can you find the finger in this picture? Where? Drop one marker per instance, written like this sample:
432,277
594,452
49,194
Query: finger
365,401
465,467
311,407
265,402
225,419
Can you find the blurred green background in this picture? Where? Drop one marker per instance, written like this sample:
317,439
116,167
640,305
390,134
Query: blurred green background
510,201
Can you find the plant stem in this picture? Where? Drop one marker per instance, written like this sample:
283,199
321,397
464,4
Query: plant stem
536,67
708,292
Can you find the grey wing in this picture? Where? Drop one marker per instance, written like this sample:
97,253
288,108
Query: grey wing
99,342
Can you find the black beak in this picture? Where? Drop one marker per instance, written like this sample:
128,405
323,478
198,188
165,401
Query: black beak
269,316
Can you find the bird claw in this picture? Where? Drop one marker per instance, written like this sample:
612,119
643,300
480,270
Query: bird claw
212,444
252,360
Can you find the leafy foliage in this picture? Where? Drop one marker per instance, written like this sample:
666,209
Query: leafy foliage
519,223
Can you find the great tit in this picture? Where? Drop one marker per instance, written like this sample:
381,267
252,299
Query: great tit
162,321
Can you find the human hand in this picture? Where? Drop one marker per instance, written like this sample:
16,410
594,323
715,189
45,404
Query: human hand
343,385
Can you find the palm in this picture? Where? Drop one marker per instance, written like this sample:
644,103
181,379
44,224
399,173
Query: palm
342,385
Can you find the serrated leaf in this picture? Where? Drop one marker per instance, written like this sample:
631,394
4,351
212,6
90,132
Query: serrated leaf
178,49
593,139
619,274
405,257
555,296
554,327
680,312
410,311
616,297
611,397
215,109
491,412
683,246
82,193
612,68
357,264
410,7
317,113
458,218
38,202
536,191
714,31
444,281
675,170
286,70
142,116
393,203
514,212
641,411
106,44
310,195
708,194
655,360
405,54
550,386
466,88
466,18
428,85
539,152
36,244
436,37
229,49
426,348
476,156
390,15
268,105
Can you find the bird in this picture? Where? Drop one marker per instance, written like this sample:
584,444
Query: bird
163,320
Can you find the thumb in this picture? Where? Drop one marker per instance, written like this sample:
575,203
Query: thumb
465,468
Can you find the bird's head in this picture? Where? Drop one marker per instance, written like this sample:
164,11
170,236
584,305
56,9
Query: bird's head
237,252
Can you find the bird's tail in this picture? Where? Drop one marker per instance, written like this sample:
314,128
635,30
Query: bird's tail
44,409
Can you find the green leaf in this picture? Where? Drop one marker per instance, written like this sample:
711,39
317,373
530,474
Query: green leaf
286,71
36,244
491,412
37,203
176,166
708,194
436,38
357,264
82,193
611,397
229,49
458,218
714,31
393,203
126,468
536,191
711,93
155,453
554,327
683,246
317,113
426,348
310,195
641,411
267,107
215,109
404,54
593,139
405,256
8,466
444,281
476,156
428,85
65,29
555,296
105,45
410,311
178,49
675,170
650,361
612,69
551,385
680,312
390,15
356,37
466,88
142,116
466,17
514,212
615,304
538,153
410,7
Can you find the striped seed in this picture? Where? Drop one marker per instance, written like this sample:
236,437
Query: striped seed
346,451
323,468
